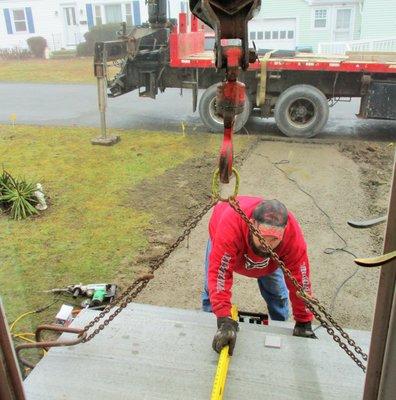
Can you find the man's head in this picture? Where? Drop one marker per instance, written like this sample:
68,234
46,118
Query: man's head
270,218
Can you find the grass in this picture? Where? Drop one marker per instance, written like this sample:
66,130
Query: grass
90,228
74,70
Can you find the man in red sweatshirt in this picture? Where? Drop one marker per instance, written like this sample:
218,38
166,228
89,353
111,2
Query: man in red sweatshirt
232,248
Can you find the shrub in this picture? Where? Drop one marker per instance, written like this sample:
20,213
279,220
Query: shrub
37,45
15,54
82,50
98,33
63,54
17,196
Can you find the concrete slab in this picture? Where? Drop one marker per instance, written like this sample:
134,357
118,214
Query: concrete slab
151,352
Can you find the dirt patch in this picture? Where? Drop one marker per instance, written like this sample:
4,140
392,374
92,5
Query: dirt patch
324,185
375,161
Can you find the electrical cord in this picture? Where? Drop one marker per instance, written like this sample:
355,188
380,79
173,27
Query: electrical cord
246,131
39,310
23,335
328,250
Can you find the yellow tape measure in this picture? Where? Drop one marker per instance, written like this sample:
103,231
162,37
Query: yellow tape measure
222,366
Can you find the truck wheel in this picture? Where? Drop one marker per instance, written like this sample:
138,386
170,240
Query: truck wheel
207,111
301,111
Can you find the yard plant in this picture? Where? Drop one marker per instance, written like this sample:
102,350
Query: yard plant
17,196
37,45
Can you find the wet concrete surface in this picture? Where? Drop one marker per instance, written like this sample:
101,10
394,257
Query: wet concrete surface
54,104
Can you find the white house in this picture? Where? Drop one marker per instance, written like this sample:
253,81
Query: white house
63,23
280,24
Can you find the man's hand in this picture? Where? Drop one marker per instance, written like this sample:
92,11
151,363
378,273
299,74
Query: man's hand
226,334
304,329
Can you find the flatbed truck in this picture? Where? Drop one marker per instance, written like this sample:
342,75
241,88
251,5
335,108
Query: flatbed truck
297,89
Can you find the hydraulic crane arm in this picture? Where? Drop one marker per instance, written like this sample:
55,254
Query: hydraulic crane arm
229,19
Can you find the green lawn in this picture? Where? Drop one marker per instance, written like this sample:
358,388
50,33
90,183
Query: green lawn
90,228
74,70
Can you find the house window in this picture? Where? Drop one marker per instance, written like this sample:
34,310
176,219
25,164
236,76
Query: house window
252,35
267,35
343,18
275,34
320,18
98,15
343,25
128,13
259,35
113,13
70,14
290,34
19,20
283,34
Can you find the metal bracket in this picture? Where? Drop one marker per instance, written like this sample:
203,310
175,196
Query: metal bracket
46,345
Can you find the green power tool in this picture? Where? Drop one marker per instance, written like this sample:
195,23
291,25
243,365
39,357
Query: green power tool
97,294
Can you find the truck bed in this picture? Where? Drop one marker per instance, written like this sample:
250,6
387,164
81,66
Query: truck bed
301,62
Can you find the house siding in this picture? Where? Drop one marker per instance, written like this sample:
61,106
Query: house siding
47,20
40,20
358,24
379,19
303,12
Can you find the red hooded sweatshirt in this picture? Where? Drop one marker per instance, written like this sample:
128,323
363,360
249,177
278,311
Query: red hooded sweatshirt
231,253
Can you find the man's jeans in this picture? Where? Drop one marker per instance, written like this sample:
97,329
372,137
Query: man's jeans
272,288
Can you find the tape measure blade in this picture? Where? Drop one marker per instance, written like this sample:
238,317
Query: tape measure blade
221,375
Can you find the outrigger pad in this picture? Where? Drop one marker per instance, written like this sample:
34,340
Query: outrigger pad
105,141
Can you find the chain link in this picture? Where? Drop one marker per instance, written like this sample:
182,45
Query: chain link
335,337
309,300
140,283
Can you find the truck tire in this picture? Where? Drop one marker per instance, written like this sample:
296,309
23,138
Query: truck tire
301,111
207,111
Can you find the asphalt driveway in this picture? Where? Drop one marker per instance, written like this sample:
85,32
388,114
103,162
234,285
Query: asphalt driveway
54,104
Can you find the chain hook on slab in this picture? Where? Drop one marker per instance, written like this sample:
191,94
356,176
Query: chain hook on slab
39,344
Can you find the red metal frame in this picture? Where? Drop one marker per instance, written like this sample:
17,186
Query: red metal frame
184,45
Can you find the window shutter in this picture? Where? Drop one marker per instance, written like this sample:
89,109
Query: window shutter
8,20
136,13
90,19
29,17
